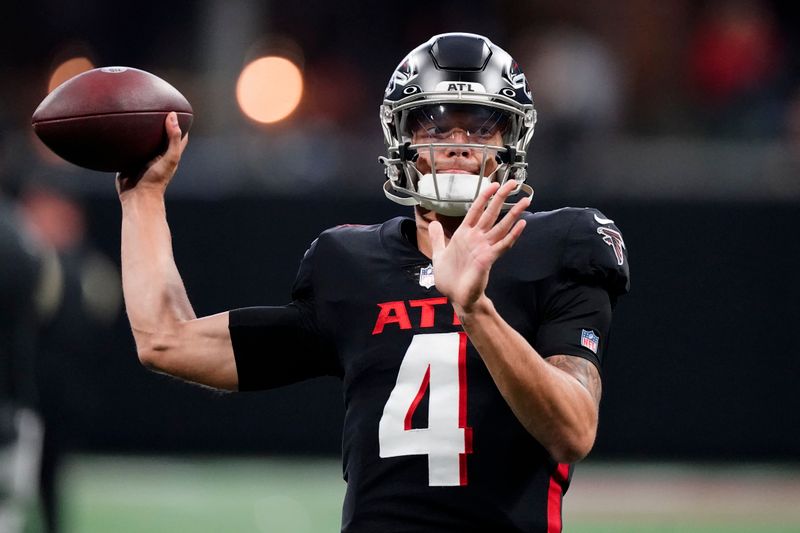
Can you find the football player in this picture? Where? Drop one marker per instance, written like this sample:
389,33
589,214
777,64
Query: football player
469,338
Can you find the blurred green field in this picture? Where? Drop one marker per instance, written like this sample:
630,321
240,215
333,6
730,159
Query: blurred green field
214,495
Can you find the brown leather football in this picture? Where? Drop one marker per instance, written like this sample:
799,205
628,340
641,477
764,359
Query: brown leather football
110,119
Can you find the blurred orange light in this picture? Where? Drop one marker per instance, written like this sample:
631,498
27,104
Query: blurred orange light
68,69
269,89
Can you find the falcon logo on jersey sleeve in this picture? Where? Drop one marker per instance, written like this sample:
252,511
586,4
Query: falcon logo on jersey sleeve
613,238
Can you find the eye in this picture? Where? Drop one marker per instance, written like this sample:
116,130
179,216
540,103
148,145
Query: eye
436,132
483,132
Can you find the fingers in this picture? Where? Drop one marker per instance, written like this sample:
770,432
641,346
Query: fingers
507,222
477,208
159,170
436,235
172,126
489,217
511,237
176,145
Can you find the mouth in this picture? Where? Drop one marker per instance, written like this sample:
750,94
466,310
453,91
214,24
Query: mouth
454,171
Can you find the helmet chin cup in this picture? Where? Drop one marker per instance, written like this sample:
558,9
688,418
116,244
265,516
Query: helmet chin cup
453,201
450,193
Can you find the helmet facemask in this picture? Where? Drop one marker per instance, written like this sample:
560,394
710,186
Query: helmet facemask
457,150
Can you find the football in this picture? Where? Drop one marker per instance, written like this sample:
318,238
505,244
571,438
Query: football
110,119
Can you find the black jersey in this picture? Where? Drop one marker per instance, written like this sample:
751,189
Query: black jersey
429,444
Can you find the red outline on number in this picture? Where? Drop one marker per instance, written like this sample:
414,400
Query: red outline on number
462,406
418,398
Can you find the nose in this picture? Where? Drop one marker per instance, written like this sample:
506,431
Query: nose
459,136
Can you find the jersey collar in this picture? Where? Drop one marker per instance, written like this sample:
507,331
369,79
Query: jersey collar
398,236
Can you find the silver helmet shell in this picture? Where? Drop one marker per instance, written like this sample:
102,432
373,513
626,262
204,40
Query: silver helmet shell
468,72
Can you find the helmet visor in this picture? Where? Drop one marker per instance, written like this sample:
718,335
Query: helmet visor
457,123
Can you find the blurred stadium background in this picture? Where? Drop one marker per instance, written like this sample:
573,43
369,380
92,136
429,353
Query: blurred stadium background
680,119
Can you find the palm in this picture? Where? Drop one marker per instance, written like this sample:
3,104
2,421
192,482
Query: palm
461,267
158,172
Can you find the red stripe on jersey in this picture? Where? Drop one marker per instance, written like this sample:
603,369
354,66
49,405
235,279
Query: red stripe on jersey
467,440
462,405
418,398
462,379
462,469
555,495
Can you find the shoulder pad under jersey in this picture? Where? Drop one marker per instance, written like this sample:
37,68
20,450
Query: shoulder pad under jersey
595,251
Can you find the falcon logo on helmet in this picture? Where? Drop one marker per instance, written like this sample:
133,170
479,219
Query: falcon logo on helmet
463,82
518,79
402,75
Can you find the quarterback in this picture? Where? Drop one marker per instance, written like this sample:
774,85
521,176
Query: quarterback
469,337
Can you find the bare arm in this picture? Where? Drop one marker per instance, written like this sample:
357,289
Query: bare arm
556,399
169,337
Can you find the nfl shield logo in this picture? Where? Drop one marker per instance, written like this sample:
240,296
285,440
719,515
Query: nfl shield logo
426,276
589,339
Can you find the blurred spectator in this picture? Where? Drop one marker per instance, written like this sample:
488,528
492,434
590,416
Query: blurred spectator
793,123
577,81
20,425
577,85
736,66
781,169
335,93
85,300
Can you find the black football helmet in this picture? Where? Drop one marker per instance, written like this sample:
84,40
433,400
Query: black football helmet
460,75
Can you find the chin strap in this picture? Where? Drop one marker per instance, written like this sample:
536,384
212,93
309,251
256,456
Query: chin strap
402,200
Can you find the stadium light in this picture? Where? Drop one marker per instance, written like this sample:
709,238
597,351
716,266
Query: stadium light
269,89
67,69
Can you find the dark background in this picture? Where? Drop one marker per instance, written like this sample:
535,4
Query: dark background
702,362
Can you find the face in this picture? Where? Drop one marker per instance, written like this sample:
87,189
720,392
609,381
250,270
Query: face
449,124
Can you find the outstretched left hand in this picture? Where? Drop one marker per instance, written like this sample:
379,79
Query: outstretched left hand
461,267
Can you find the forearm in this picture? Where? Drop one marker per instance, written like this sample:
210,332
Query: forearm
551,404
155,298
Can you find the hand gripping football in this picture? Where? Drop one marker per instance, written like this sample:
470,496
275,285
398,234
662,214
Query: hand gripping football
110,119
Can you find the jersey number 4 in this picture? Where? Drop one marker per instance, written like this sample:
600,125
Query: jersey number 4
434,362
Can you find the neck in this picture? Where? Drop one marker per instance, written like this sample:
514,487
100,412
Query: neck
423,218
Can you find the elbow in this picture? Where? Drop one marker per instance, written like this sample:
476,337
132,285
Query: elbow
150,358
572,448
152,353
569,454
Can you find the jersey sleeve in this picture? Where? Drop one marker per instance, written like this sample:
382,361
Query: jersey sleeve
275,346
576,320
595,253
576,304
